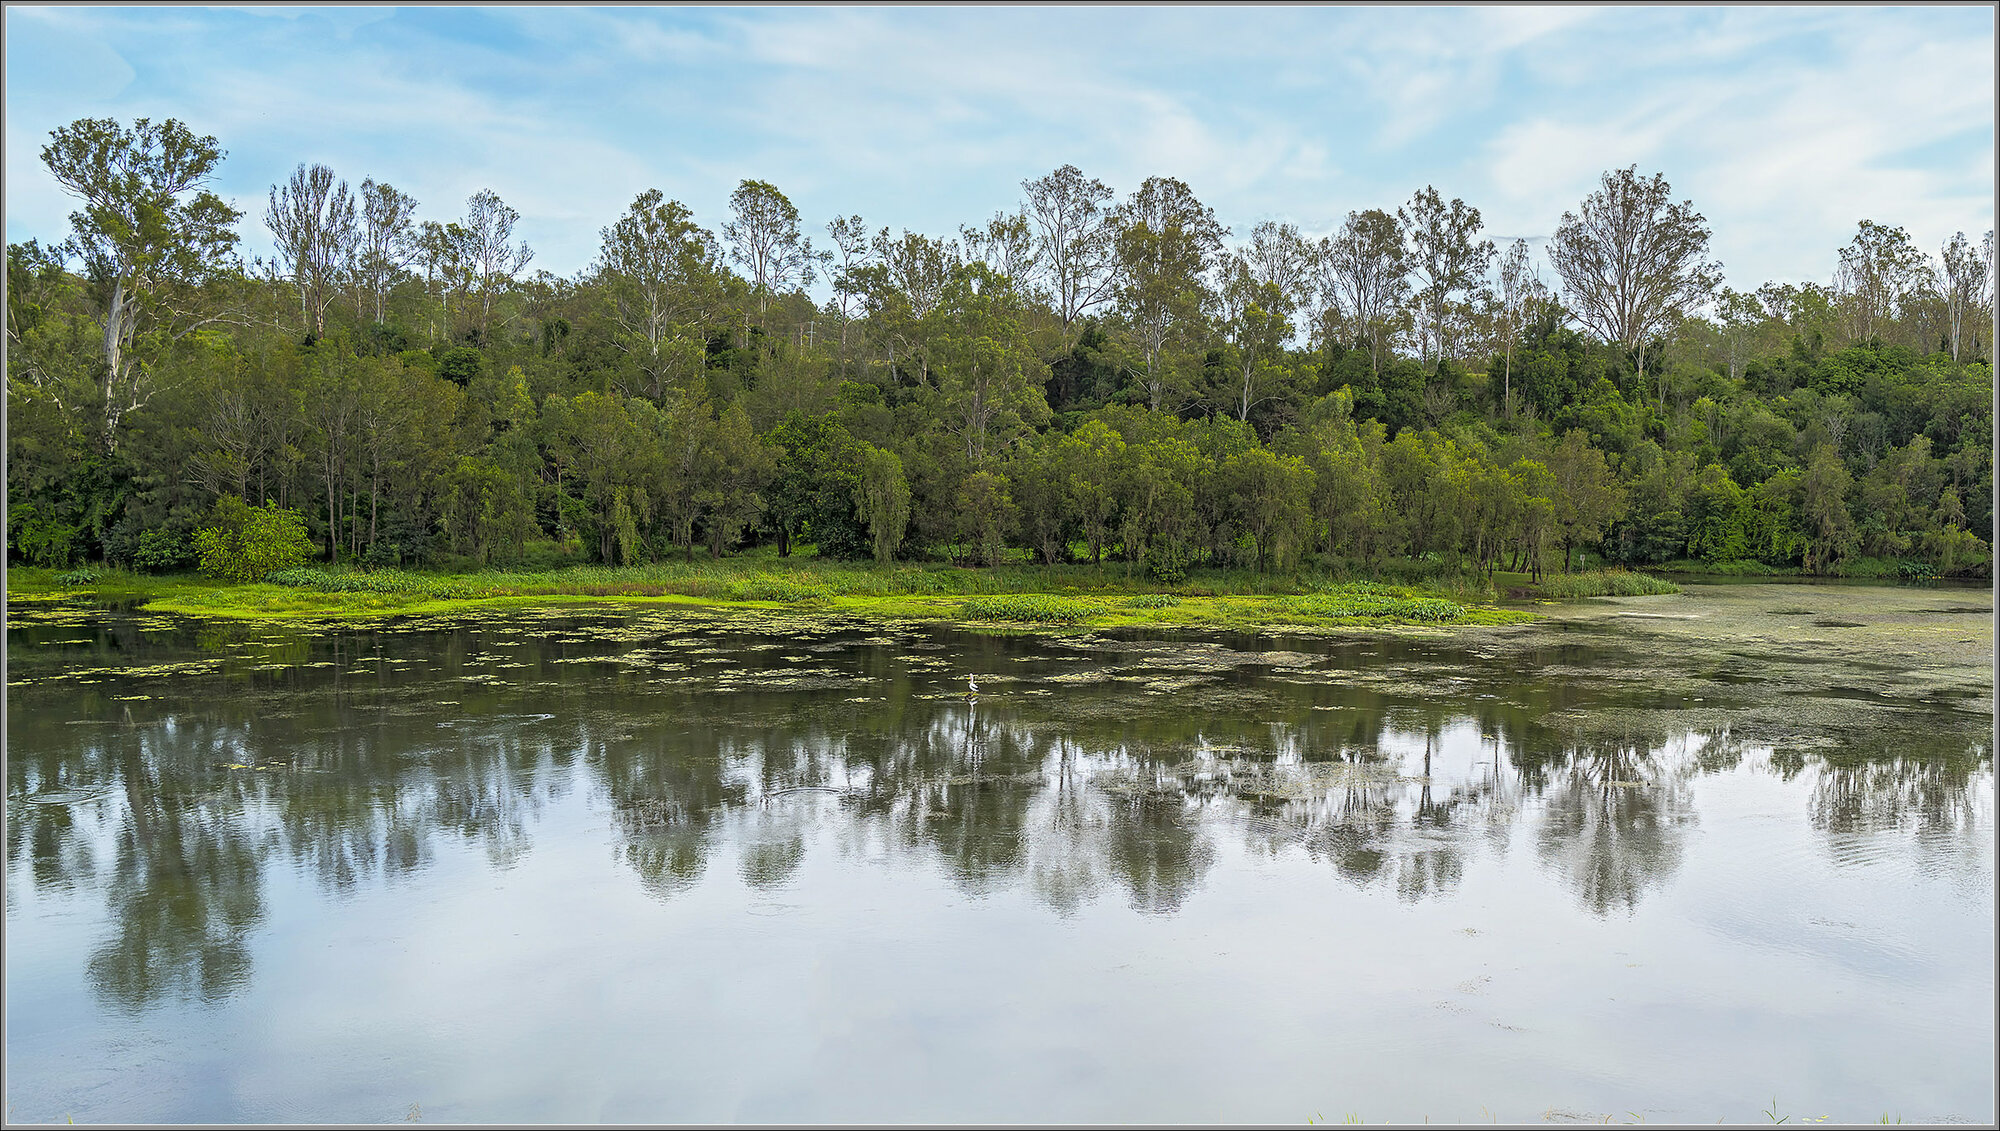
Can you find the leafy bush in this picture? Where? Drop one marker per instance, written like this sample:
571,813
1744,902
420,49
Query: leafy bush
1030,608
1168,564
82,576
1154,601
245,543
42,538
163,551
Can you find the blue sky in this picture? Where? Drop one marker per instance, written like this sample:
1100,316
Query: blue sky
1784,126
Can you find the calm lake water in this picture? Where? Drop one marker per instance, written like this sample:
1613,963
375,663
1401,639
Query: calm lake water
642,864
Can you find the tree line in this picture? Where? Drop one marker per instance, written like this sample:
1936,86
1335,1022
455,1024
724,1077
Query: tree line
1084,378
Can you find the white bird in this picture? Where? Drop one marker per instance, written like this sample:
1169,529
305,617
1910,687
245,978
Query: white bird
973,683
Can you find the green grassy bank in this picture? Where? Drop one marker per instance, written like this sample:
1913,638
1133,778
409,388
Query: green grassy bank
1020,595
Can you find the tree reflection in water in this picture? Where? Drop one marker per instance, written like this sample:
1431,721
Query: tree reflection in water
1864,807
185,885
1615,815
175,819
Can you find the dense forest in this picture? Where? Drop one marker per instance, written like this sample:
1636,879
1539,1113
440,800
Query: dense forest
1087,378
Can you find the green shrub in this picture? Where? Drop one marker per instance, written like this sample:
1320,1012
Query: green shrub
1168,564
1154,601
42,538
81,576
163,551
245,543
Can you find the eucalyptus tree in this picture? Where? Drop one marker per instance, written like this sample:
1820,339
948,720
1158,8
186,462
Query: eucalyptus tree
1074,243
1164,240
918,267
489,223
1446,259
1963,283
1007,245
662,272
764,239
990,382
1277,254
51,336
1256,321
1520,293
846,259
312,219
445,251
1992,274
1738,316
1363,281
1881,270
150,236
1632,261
904,287
388,240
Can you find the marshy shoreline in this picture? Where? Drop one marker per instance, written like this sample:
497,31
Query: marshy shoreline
1018,596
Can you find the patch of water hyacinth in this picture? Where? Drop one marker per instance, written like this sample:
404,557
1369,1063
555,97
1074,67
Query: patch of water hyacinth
1029,608
1360,603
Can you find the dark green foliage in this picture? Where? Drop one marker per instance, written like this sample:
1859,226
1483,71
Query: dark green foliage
163,551
811,496
459,364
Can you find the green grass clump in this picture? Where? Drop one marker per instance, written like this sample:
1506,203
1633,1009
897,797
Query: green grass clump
1727,569
318,580
1028,608
1154,601
777,587
1600,583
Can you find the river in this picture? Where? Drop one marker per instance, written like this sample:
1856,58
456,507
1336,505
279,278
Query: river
1678,858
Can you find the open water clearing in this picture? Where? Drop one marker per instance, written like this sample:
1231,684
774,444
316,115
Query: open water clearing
1670,858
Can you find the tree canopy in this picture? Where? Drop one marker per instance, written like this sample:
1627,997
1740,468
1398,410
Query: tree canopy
1087,377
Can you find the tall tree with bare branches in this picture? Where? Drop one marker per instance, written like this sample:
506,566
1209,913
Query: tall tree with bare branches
1446,258
388,240
1963,282
764,240
1074,243
1363,281
311,216
1632,261
490,223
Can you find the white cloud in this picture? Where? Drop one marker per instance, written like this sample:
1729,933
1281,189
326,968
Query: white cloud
1783,127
